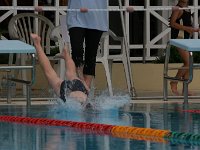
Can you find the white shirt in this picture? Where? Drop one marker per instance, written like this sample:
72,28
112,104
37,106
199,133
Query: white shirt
91,19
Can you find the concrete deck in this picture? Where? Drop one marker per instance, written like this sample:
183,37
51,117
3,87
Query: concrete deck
148,82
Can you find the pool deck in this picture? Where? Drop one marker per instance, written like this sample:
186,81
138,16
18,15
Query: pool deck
148,88
141,100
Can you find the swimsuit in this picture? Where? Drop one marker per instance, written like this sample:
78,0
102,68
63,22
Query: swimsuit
68,86
186,18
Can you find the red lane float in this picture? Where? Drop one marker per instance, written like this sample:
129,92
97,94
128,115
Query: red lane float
124,131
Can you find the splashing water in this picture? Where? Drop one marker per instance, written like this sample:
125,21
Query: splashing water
104,102
100,102
101,109
69,110
70,104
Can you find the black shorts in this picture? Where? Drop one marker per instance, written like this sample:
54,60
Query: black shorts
68,86
85,56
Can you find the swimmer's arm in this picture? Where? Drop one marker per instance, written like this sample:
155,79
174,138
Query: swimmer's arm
49,72
175,15
54,81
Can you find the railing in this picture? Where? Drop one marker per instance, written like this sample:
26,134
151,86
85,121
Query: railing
161,13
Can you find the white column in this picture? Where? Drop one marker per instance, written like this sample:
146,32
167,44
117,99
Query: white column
14,3
146,30
165,14
126,3
57,13
195,24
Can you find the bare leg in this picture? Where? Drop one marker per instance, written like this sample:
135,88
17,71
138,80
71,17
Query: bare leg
79,71
174,89
88,79
174,84
182,73
49,72
185,72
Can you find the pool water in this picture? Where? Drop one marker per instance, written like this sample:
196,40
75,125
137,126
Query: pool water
168,116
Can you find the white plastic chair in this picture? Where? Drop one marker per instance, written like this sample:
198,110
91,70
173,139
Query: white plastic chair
20,26
106,58
57,36
60,34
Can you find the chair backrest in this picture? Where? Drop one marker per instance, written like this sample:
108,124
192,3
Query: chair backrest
21,25
60,34
57,36
104,45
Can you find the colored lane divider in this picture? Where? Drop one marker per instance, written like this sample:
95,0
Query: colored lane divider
135,133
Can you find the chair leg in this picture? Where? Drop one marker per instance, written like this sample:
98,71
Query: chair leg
128,82
10,61
62,69
165,89
108,76
17,62
92,90
28,95
185,92
110,63
165,73
8,92
23,73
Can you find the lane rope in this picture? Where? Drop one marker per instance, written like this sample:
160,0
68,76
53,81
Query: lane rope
136,133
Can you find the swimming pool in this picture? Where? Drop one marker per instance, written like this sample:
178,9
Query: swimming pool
168,116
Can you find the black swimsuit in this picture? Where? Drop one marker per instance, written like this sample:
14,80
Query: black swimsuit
186,18
68,86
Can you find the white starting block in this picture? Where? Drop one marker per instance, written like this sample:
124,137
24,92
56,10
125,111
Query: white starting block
190,45
19,47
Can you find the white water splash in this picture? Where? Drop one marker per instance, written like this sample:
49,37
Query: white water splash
100,102
102,109
106,102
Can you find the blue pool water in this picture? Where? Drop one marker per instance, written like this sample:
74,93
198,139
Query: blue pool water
16,136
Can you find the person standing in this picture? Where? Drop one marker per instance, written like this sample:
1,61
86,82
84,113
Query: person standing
177,16
86,27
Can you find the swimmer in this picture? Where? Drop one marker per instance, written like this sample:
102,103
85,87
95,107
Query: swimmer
185,16
73,87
